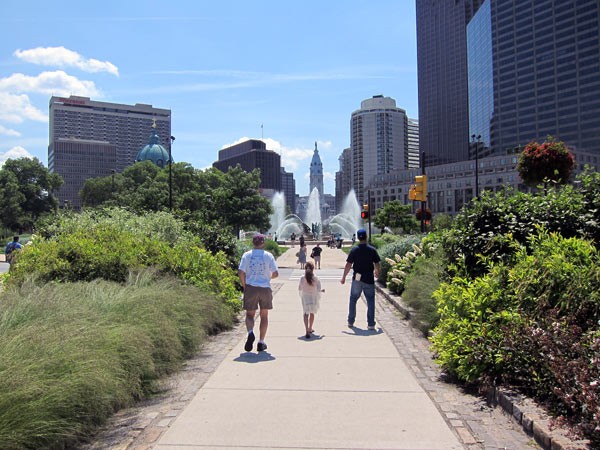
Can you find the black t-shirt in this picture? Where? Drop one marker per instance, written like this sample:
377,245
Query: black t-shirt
317,251
364,257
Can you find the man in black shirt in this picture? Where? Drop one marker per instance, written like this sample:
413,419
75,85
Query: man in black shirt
316,255
365,261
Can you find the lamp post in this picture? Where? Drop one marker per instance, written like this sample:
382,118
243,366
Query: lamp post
370,212
476,147
170,174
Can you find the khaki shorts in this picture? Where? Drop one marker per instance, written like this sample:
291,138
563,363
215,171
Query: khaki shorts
255,296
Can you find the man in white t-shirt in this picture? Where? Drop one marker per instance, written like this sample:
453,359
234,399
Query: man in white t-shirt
257,268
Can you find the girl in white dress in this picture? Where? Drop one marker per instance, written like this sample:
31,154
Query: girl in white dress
310,290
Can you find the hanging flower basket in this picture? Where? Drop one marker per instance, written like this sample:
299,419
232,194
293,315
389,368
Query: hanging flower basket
550,161
423,215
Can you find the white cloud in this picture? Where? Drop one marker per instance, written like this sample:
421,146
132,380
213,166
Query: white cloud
49,83
9,132
16,108
63,57
14,153
290,156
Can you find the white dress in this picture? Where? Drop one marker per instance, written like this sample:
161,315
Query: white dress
310,294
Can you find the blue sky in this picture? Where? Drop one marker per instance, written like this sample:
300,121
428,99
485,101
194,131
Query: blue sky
223,67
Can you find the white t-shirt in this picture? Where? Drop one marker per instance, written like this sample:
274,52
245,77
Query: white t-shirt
258,265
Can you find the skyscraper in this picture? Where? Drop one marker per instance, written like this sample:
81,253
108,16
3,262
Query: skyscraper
253,154
78,125
414,160
500,73
442,76
288,187
343,177
545,63
379,141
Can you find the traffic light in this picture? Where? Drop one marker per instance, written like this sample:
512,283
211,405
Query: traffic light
364,214
418,191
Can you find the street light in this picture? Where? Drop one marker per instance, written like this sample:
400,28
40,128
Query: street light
476,146
170,175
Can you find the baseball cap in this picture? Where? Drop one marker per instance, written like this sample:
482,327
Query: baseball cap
361,233
258,239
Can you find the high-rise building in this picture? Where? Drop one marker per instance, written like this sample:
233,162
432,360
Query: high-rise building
343,178
77,160
414,157
379,141
288,187
534,71
442,76
80,120
253,154
496,74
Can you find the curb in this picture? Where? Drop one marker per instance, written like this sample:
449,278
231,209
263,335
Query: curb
534,421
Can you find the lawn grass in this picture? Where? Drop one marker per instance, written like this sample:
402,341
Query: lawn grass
71,354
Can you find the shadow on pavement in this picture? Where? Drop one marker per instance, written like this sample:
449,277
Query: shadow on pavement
360,332
252,358
313,337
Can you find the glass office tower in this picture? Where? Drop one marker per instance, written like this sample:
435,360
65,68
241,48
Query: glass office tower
510,71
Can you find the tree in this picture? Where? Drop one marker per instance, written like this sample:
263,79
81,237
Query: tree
238,203
26,188
228,200
550,161
394,214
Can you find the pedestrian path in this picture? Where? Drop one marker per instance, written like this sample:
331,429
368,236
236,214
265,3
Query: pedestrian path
324,274
342,389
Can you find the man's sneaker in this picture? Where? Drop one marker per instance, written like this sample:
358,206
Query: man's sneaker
371,327
249,342
261,346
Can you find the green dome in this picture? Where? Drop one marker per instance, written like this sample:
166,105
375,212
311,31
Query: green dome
153,151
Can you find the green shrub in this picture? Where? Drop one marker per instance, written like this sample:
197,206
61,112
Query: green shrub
205,270
421,282
389,252
486,229
468,338
109,244
74,353
400,267
533,323
380,240
272,247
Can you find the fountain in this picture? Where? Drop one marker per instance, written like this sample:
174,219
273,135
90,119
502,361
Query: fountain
348,221
283,226
313,211
278,216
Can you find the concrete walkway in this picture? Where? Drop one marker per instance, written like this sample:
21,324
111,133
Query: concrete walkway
343,389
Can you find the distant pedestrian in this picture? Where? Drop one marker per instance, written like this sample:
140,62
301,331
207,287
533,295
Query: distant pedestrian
365,261
310,292
353,239
316,255
293,239
11,247
302,256
257,268
301,240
